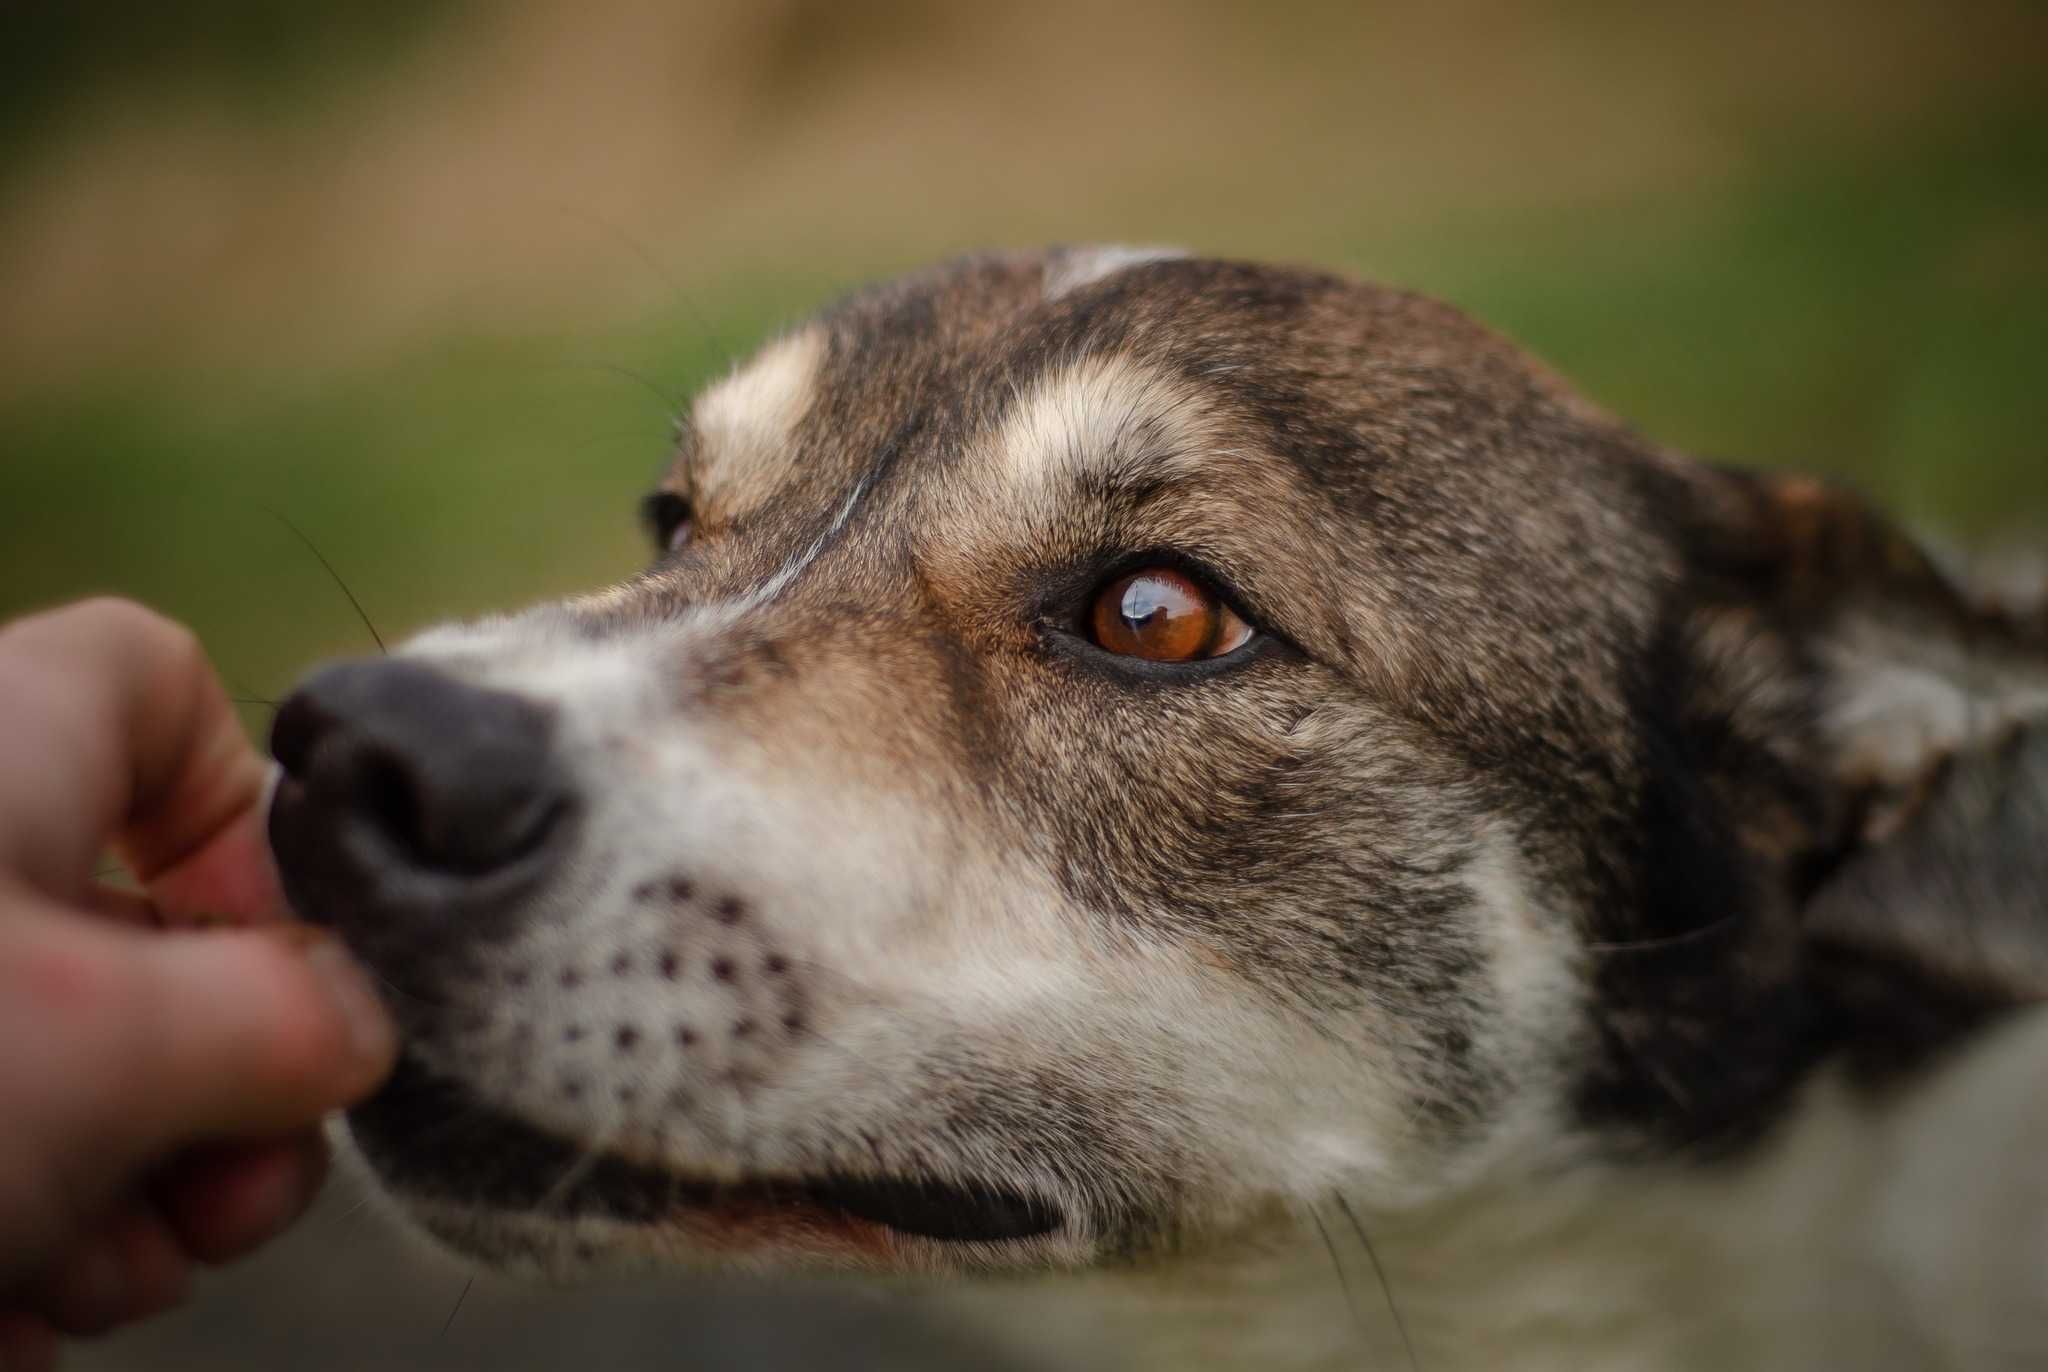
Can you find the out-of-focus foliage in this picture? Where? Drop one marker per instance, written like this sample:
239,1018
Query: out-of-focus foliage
426,278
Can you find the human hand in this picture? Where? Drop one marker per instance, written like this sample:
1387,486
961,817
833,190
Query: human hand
161,1083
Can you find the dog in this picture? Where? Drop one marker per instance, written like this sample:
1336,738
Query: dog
1238,779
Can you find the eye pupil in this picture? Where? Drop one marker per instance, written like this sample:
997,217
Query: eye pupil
1162,615
1142,605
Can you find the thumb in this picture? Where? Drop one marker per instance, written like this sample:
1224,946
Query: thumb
250,1032
128,1045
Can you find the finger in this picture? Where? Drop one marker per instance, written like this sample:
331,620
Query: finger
147,1043
131,1268
117,725
225,1201
304,1032
123,907
27,1342
229,879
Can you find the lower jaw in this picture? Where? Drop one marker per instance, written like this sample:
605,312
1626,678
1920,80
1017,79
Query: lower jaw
499,1174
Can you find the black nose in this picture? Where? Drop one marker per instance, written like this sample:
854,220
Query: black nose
405,787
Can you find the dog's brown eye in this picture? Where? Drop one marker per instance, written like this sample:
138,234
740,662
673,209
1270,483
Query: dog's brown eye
668,519
1164,616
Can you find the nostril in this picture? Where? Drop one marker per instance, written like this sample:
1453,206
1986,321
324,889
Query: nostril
447,812
386,796
472,839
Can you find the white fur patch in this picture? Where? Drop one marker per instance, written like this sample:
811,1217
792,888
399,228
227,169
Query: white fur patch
1539,989
1085,266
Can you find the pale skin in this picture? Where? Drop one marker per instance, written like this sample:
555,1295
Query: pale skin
165,1057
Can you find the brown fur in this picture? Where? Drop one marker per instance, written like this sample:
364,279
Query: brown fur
1524,680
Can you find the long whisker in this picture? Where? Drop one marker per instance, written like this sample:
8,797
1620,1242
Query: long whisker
415,997
242,689
647,259
1343,1277
588,1157
1646,945
321,558
1379,1272
449,1322
672,402
362,1203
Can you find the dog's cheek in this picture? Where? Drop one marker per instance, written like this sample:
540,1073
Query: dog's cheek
1307,852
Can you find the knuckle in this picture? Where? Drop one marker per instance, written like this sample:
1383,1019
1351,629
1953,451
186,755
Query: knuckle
119,615
170,647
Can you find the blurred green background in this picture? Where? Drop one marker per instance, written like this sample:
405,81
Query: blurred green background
428,279
425,278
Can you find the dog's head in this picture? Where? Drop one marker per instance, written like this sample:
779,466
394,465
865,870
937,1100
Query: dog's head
1112,742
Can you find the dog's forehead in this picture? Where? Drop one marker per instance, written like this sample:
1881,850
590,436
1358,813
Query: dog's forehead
924,363
1336,421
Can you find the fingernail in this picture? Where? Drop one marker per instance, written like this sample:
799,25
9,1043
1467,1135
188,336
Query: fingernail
370,1030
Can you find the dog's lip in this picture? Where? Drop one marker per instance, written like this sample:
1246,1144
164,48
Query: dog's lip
979,1213
432,1137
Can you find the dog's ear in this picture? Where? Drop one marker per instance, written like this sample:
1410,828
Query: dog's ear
1838,648
1951,909
1845,682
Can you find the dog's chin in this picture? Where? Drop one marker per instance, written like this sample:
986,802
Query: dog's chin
510,1195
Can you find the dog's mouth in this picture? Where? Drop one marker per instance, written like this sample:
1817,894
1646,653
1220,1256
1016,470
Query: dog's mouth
429,1136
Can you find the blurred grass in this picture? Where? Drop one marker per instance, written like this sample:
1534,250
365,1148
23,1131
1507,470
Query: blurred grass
1871,307
1812,237
1880,316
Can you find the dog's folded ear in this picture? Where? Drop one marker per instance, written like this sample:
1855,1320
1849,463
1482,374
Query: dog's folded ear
1868,721
1840,648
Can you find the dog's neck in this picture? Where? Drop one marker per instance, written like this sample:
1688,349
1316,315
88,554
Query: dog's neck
1869,1231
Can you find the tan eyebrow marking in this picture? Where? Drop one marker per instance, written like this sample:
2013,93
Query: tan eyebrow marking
1102,413
744,423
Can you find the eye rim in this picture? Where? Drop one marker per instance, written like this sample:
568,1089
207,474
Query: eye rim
669,520
1068,608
